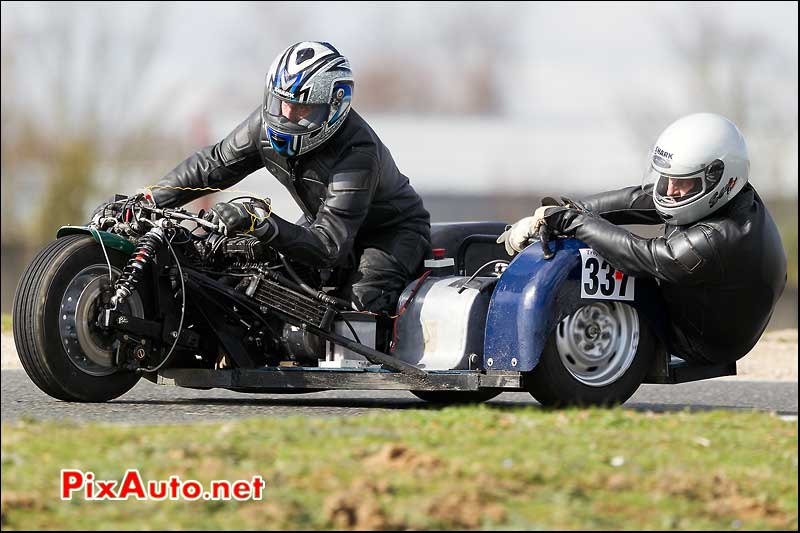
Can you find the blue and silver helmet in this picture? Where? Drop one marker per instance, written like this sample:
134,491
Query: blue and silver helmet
308,93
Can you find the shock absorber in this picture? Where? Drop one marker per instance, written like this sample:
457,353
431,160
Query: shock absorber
141,257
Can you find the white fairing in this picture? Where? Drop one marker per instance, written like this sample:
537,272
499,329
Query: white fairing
685,150
441,328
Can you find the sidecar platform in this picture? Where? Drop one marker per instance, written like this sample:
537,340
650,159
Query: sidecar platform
673,371
338,378
676,370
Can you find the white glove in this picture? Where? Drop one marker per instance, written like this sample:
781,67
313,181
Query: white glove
517,236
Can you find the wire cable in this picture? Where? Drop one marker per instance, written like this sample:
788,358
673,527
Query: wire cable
403,308
353,331
108,261
473,276
318,295
254,217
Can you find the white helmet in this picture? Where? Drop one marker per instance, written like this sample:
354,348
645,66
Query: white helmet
697,165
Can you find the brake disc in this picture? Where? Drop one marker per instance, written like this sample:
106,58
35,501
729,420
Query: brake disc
90,348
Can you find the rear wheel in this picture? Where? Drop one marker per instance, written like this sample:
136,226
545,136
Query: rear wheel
56,306
598,355
455,397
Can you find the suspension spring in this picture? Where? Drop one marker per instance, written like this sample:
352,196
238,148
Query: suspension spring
141,257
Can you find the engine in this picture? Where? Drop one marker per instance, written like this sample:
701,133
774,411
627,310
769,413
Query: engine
287,299
275,296
278,297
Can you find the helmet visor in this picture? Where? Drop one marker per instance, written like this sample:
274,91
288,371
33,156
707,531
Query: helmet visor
674,190
295,117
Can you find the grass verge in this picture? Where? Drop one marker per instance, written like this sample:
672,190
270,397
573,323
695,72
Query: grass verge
6,323
457,468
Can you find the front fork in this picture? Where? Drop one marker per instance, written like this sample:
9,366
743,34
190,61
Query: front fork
148,270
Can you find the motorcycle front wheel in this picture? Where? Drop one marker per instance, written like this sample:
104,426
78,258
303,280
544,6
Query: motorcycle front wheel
55,311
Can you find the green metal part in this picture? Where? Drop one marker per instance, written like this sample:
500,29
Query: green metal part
109,239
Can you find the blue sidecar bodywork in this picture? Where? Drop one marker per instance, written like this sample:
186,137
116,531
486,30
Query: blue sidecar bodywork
529,300
534,294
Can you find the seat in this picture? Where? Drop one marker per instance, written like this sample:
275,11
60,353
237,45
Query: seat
470,244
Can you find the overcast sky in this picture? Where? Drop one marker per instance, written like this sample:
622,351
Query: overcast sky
576,66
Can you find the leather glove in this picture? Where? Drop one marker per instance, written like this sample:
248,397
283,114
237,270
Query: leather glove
247,217
566,202
517,236
231,216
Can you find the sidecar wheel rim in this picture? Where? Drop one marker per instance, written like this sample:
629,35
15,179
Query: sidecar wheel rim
598,342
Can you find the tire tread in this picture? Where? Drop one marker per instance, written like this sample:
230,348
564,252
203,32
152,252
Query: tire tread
30,318
25,305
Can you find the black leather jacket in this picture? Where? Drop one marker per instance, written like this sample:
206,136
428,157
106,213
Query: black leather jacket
721,276
349,189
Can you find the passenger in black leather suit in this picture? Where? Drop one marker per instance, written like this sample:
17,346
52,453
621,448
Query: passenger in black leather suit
360,212
720,264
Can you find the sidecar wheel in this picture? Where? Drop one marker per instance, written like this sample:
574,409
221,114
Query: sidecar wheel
455,397
599,355
66,357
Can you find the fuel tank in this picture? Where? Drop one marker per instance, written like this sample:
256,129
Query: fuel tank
442,326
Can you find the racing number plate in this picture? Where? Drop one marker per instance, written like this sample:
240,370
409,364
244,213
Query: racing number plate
599,280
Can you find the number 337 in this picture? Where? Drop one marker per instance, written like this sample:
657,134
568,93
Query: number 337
599,280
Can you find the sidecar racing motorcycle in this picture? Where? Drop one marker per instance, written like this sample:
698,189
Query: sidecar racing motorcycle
163,294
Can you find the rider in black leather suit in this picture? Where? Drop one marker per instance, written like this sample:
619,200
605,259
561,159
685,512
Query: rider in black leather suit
360,212
721,275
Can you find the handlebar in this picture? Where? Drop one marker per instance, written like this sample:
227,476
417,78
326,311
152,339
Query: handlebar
138,205
182,215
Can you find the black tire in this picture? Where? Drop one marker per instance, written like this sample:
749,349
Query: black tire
455,397
36,323
553,385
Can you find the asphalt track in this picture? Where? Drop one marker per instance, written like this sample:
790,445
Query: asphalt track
157,404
